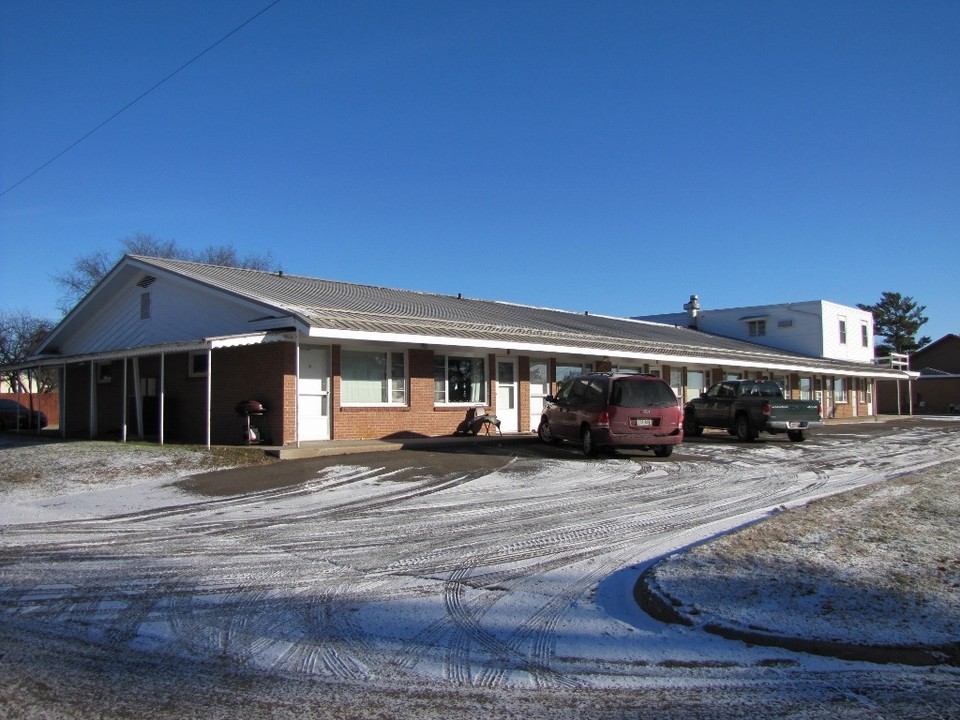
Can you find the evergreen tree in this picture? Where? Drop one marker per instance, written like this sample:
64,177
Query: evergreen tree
897,319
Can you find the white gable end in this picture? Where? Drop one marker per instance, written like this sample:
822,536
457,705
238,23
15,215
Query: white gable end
135,308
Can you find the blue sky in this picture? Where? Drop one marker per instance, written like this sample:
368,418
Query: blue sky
614,157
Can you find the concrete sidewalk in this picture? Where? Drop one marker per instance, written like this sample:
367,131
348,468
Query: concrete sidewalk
327,448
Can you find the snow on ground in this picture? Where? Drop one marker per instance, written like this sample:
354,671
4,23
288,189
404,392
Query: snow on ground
371,579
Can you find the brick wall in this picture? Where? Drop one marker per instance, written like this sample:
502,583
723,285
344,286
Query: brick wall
420,418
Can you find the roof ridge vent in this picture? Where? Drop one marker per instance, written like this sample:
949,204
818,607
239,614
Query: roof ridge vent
146,281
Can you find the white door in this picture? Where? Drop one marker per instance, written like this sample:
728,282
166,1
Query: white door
313,401
507,406
539,389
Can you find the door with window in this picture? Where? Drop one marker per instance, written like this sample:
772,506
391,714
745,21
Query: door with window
539,389
507,386
313,398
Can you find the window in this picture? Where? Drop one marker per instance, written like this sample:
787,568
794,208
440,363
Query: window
104,372
695,384
585,391
373,377
865,335
840,390
806,388
757,328
565,372
197,364
459,379
539,377
843,332
676,381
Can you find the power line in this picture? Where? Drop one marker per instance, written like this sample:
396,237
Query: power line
139,98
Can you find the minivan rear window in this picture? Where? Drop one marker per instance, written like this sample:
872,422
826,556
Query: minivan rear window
641,393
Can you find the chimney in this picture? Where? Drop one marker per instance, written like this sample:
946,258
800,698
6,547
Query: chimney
693,310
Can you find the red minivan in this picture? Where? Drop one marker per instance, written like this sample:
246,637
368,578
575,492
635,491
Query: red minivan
614,411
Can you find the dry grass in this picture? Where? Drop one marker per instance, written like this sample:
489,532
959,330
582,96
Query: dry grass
877,563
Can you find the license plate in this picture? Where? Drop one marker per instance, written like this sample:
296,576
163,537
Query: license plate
642,422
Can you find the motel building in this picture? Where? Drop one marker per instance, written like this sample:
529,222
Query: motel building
177,351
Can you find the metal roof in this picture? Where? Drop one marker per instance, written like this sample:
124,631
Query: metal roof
334,306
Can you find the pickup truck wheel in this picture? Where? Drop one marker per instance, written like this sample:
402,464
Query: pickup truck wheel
744,428
586,441
690,425
796,435
663,450
545,433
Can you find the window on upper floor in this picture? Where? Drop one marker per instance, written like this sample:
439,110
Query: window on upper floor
843,332
865,335
757,328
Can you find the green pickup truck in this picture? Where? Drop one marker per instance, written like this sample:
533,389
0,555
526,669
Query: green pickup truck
746,408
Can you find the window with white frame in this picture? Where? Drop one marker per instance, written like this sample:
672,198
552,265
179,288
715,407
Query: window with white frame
843,332
757,328
806,388
840,390
371,377
865,335
458,379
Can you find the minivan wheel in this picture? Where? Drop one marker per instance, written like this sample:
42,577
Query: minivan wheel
586,441
663,450
545,433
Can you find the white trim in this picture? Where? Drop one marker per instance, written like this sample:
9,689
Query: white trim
551,349
209,398
123,400
163,390
296,392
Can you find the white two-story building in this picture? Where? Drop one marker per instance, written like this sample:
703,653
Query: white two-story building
818,328
815,328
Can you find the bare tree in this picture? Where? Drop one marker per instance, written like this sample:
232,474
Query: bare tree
88,270
20,333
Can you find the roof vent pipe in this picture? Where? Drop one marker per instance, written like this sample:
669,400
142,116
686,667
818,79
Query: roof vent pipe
693,311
